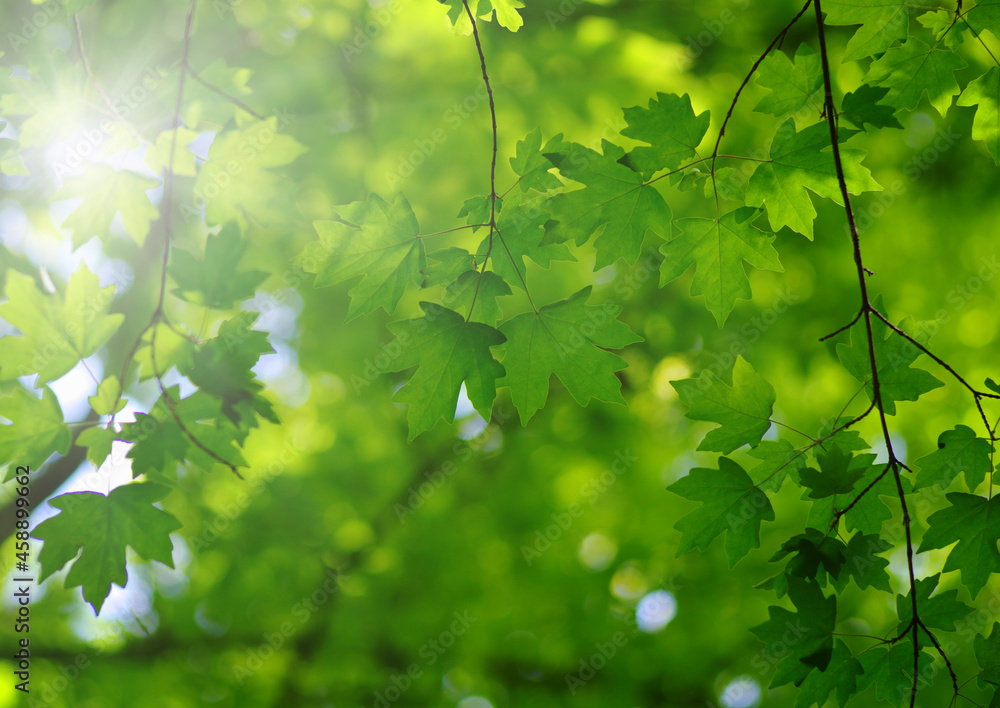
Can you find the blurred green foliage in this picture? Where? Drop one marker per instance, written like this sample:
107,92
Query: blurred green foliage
485,563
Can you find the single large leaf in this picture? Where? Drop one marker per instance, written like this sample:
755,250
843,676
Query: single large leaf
617,203
882,23
107,193
672,129
791,84
448,351
743,410
58,330
102,526
803,638
959,450
984,93
569,339
375,239
974,522
913,68
862,108
731,503
988,655
802,161
238,183
215,280
718,249
531,166
37,429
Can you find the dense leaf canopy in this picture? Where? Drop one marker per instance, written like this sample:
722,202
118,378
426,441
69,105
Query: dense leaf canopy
496,353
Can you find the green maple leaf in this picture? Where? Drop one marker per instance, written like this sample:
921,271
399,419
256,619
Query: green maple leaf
617,203
672,129
939,612
446,265
898,381
862,107
803,637
802,161
506,13
223,367
944,26
37,429
988,655
237,182
477,210
479,291
891,670
108,399
974,522
882,23
840,676
743,410
836,474
984,92
731,503
206,439
52,98
376,239
792,85
570,339
58,330
448,351
959,450
98,442
531,166
985,15
777,460
913,68
101,527
862,563
518,234
215,280
158,156
846,439
718,249
107,192
870,512
817,555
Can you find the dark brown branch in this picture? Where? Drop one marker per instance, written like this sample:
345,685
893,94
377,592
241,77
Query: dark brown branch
866,310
